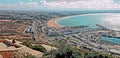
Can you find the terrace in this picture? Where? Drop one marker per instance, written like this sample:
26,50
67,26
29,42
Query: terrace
7,45
9,49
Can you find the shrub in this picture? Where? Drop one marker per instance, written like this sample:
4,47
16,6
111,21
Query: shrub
35,47
29,56
39,48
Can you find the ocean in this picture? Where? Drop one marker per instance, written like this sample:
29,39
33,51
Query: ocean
111,40
108,20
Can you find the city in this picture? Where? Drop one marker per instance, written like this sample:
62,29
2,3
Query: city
59,29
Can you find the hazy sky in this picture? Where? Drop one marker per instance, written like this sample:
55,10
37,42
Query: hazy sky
59,4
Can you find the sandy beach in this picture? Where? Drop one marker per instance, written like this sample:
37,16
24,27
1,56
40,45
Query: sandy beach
52,23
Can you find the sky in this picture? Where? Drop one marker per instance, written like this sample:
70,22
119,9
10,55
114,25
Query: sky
59,4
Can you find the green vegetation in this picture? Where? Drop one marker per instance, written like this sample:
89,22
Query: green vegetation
95,55
64,51
29,56
35,47
39,48
67,51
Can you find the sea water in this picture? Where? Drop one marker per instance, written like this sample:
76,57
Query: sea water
111,40
106,20
87,20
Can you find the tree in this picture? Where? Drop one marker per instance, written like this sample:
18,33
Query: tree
64,51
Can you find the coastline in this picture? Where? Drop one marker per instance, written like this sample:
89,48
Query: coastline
52,23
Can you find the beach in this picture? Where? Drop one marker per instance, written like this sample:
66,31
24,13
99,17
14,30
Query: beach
112,20
52,23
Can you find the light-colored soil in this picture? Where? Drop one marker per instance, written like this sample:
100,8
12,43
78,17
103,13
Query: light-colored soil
52,23
47,47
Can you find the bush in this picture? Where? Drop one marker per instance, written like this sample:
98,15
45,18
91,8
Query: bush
39,48
29,56
67,51
35,47
63,51
27,44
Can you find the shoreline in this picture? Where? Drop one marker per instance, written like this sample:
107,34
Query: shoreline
52,23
